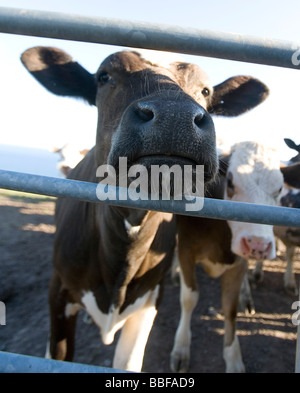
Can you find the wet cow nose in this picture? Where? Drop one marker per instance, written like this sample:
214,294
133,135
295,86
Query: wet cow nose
258,248
199,118
147,112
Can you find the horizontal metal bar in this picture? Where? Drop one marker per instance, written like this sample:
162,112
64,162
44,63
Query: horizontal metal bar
14,363
212,208
150,36
297,363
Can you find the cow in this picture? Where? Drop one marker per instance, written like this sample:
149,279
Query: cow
108,260
70,156
291,239
250,173
289,236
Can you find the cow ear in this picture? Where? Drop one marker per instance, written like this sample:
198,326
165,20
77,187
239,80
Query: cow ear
237,95
291,175
59,73
291,144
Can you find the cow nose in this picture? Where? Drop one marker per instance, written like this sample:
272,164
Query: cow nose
258,248
151,112
199,118
144,112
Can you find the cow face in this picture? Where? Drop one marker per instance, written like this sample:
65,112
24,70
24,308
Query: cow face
148,113
253,176
157,119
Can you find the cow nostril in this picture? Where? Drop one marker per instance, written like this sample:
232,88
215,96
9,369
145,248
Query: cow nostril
144,113
199,119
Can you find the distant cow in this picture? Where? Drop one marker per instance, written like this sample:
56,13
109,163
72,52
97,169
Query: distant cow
291,239
290,236
111,261
251,173
70,156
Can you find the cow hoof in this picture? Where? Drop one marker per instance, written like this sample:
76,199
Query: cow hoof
237,368
180,361
233,357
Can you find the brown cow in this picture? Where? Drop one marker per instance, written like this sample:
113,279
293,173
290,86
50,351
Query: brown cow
250,173
111,261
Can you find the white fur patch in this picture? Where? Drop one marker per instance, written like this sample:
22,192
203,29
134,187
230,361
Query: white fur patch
130,350
180,356
233,357
72,309
47,354
110,323
131,230
213,269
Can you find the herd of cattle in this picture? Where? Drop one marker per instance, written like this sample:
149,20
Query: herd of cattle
112,261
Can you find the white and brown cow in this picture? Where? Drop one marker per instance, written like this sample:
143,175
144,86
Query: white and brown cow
250,173
111,261
288,235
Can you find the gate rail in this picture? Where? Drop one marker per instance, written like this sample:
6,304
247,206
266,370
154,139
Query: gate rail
212,208
150,36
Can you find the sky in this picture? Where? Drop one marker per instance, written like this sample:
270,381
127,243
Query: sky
31,116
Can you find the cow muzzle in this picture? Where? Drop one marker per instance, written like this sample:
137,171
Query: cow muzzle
166,128
258,248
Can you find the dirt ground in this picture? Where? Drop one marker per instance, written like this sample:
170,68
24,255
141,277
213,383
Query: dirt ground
268,338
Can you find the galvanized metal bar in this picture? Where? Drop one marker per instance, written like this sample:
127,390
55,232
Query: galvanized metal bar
150,36
14,363
297,363
212,208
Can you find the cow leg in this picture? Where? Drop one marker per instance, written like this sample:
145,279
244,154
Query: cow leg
180,356
246,302
175,269
231,285
257,275
129,354
63,315
289,275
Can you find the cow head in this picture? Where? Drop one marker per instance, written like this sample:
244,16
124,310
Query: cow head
148,113
253,175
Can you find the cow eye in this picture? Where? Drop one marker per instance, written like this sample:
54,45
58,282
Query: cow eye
103,78
205,92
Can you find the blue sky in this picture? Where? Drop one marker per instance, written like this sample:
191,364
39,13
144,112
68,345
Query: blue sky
30,116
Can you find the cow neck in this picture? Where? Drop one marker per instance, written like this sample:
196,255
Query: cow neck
124,253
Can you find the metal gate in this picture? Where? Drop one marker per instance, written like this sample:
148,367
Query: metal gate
148,36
